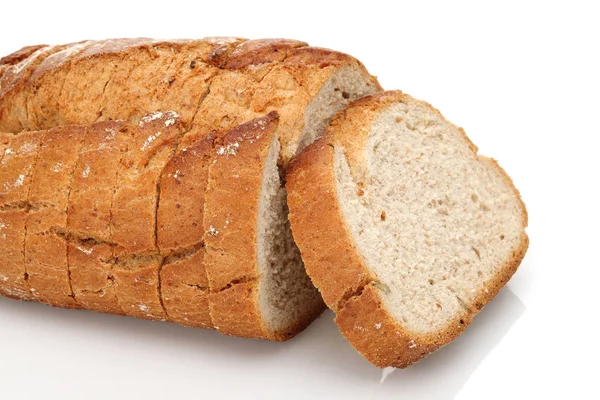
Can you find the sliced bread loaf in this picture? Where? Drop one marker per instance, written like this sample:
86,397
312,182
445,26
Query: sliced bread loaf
133,219
404,229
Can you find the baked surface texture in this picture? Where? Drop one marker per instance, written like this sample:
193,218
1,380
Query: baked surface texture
212,83
403,228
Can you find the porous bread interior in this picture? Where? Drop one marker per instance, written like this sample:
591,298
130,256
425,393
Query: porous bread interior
286,293
431,219
343,86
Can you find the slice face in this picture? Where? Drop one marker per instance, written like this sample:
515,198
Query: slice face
433,230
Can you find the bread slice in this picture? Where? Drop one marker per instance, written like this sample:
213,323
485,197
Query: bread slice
404,229
180,233
258,284
133,215
46,259
89,215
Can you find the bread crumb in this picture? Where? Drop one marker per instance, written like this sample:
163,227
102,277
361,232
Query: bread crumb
359,328
3,226
86,172
3,278
412,344
378,325
57,167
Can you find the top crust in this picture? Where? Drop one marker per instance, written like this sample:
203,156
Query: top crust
332,260
20,55
227,81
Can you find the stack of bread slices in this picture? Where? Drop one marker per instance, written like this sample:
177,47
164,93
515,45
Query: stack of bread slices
244,185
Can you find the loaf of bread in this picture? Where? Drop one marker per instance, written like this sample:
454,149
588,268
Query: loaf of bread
112,204
404,229
111,217
214,85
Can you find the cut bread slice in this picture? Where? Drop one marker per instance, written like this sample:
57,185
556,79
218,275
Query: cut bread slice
259,287
404,229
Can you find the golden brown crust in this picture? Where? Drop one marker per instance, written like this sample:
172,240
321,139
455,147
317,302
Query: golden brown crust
230,221
42,91
180,235
125,78
46,259
20,55
13,101
18,163
133,215
261,51
88,218
336,266
313,204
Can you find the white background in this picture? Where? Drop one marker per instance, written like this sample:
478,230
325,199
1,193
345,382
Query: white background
520,77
